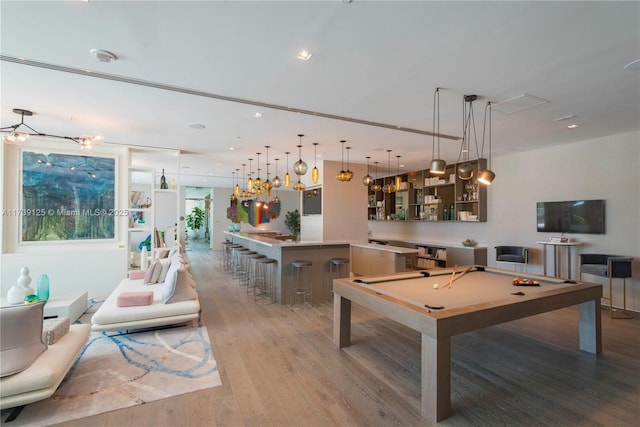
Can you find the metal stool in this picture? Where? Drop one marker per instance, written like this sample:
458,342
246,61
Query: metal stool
243,271
226,252
236,255
249,277
264,280
302,284
336,271
228,266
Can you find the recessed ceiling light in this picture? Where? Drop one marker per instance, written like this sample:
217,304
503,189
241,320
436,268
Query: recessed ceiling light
186,167
196,126
231,148
558,119
573,126
633,65
305,55
257,114
103,55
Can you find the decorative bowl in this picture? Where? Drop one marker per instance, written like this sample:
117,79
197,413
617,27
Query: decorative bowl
469,243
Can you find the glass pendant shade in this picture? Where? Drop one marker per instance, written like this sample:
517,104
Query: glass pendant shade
367,180
16,138
299,186
277,182
287,180
389,188
300,167
376,187
315,172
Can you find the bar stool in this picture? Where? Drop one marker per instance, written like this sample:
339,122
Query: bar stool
302,284
226,252
243,271
264,280
236,255
249,277
338,269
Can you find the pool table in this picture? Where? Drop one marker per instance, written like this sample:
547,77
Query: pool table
477,297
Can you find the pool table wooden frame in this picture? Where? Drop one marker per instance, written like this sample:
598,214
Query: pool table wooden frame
438,326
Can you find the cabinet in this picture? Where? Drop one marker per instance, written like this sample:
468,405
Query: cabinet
427,197
152,223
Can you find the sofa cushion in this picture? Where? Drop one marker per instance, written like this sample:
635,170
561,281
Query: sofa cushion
54,329
179,285
21,342
595,269
165,264
134,299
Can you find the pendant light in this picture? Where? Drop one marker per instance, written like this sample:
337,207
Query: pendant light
233,180
465,170
315,172
258,182
300,167
486,176
267,185
342,176
236,188
389,188
368,179
437,164
277,182
349,172
398,177
287,177
376,187
250,180
244,194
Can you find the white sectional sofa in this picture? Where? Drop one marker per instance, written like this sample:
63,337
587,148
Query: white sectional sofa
174,299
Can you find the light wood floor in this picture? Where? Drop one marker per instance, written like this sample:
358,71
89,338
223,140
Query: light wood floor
279,367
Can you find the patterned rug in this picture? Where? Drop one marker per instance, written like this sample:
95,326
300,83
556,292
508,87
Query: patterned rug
115,372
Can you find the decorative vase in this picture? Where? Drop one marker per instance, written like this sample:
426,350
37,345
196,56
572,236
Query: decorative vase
43,287
236,227
22,289
163,182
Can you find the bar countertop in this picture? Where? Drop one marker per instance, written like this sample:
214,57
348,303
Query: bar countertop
273,242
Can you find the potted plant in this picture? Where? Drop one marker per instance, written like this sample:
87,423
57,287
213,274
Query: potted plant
195,220
292,222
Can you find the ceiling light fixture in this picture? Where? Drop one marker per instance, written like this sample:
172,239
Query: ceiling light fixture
389,188
257,183
315,172
250,180
244,193
437,164
342,176
376,187
573,126
236,188
633,65
486,176
300,168
276,181
287,177
13,136
349,172
103,55
257,115
465,170
398,177
368,179
233,180
267,185
304,55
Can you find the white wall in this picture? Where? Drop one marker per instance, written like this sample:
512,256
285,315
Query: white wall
606,168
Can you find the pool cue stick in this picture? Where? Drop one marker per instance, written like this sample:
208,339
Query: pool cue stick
465,271
453,273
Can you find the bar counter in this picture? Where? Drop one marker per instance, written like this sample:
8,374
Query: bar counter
285,252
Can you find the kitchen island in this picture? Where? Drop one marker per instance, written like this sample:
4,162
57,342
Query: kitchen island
287,251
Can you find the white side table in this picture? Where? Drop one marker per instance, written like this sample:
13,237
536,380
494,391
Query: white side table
70,305
557,270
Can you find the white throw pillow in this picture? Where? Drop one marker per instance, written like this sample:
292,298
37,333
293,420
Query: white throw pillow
165,263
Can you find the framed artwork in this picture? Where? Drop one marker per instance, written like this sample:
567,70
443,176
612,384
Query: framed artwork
67,197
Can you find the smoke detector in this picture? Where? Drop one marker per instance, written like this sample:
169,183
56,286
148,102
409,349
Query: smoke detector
103,55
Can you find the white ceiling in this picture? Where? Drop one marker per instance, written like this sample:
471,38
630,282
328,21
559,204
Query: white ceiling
374,61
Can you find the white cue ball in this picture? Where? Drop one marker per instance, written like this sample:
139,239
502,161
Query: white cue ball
436,286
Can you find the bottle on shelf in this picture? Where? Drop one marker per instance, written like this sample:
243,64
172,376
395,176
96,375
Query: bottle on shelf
445,215
452,213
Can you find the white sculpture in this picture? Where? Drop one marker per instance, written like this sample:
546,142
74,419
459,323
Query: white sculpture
22,289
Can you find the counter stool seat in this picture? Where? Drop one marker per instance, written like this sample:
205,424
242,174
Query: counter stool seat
336,271
264,280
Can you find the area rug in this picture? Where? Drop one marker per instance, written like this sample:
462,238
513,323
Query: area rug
119,371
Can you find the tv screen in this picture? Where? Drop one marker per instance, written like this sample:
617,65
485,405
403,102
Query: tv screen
312,201
577,216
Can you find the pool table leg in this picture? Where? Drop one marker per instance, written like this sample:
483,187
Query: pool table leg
436,378
590,327
341,321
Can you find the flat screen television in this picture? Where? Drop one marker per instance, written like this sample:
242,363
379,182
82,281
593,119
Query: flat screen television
576,216
312,201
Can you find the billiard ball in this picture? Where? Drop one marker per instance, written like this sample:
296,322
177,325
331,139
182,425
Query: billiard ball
436,286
